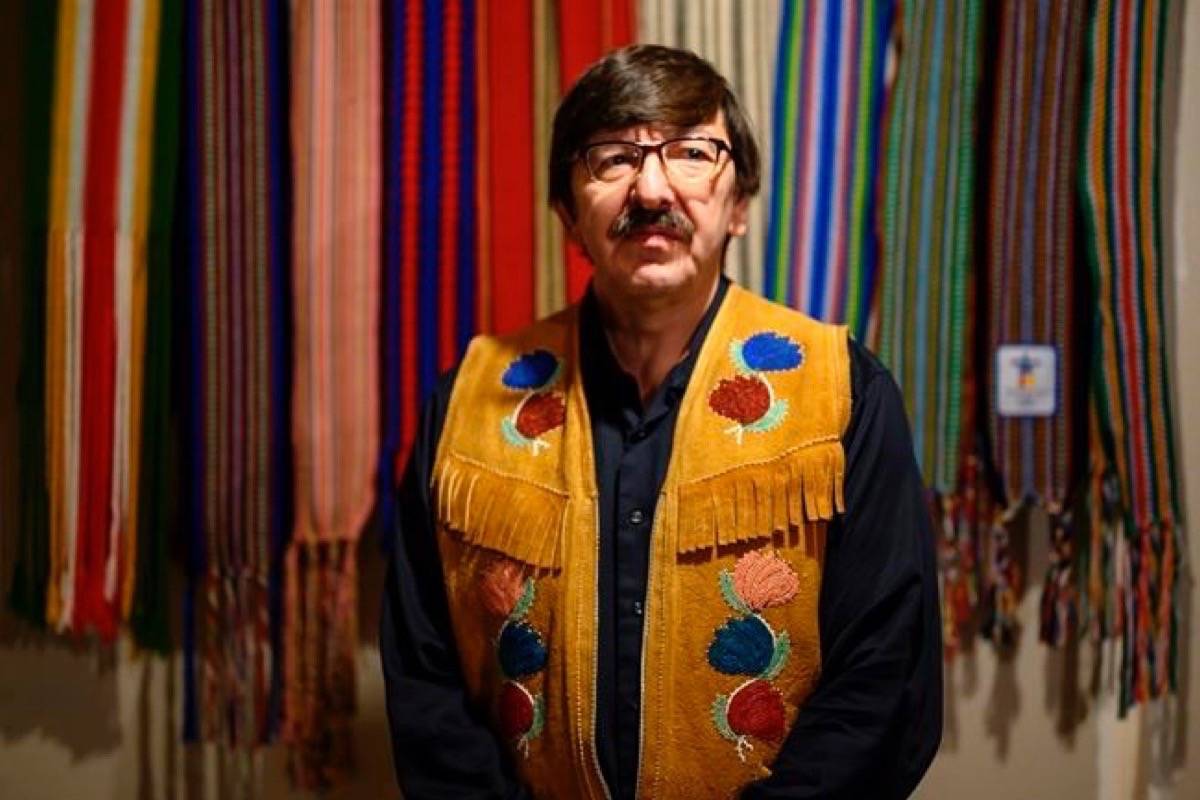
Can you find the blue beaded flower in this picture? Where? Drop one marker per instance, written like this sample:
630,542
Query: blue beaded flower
521,650
742,646
532,371
767,352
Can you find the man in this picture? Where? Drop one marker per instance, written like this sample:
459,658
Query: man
670,542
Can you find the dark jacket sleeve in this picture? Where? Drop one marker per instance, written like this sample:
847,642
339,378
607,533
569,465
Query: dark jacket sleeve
874,721
441,744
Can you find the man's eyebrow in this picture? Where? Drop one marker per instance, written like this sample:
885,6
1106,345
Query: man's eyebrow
667,131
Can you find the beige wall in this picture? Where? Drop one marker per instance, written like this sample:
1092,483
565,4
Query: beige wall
75,724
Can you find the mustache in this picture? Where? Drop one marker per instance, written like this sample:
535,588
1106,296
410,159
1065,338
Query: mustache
638,218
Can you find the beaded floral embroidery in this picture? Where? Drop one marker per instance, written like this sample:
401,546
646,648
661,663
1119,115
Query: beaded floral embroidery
540,409
508,595
748,399
746,645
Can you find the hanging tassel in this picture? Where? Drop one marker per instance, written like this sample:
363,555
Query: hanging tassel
1000,623
1059,611
957,519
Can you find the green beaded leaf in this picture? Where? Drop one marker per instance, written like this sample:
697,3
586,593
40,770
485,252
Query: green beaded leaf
739,361
783,647
769,421
539,717
525,602
512,435
730,593
720,720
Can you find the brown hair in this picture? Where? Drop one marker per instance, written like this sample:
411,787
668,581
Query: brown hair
643,84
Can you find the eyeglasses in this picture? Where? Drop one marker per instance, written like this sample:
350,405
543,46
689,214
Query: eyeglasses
688,159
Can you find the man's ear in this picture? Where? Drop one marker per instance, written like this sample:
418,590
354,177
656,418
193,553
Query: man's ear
568,222
739,219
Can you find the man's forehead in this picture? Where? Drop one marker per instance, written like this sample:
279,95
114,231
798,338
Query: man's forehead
662,130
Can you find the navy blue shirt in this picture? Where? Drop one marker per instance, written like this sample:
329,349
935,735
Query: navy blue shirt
873,722
632,448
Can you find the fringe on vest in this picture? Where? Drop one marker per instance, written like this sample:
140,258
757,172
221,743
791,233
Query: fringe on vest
505,513
757,500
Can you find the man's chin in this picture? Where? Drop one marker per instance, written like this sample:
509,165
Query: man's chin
653,277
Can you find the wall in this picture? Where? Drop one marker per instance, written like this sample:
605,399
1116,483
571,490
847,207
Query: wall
74,723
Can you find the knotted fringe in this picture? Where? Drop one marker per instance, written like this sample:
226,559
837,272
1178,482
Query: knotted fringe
1131,582
505,513
1003,580
1060,594
756,501
322,607
956,524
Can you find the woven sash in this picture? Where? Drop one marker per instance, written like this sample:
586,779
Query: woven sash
1030,260
929,179
150,600
550,250
433,284
1135,532
336,128
235,147
925,312
507,193
822,248
587,30
95,304
33,557
740,40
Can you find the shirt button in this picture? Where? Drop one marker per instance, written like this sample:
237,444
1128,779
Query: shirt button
636,517
638,434
637,607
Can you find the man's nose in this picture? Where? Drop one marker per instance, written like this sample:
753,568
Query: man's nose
651,188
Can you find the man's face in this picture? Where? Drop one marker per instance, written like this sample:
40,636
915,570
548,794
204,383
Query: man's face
625,226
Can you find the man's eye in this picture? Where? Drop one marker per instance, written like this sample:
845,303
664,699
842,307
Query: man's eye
617,160
691,152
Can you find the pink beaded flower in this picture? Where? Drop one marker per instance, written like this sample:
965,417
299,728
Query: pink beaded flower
500,586
764,580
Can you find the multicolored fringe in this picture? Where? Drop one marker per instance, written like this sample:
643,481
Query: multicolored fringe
822,248
1132,416
235,144
336,137
740,40
959,520
31,572
95,306
434,287
1029,254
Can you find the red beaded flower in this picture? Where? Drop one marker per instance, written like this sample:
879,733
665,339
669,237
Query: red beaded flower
540,413
742,399
756,709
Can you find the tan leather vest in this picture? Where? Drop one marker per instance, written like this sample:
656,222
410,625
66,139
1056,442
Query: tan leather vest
731,646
